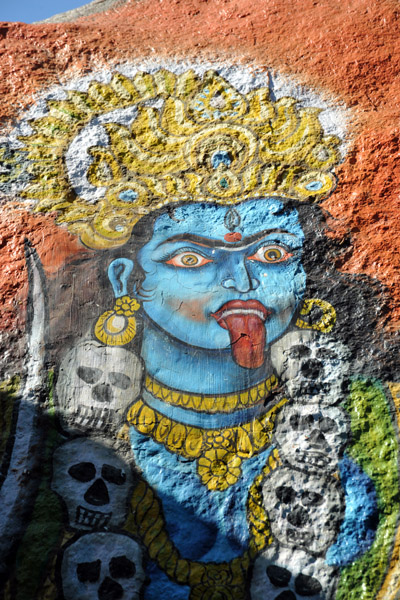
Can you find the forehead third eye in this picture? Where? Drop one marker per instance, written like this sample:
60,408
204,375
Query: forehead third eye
213,221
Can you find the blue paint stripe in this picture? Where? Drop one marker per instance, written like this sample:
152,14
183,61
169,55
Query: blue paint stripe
215,421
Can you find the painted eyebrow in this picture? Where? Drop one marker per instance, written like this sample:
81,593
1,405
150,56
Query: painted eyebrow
202,241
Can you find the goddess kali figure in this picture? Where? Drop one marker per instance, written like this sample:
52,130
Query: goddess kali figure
223,358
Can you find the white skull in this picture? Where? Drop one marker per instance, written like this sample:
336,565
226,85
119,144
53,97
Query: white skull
305,511
314,367
96,384
292,574
102,566
311,436
94,483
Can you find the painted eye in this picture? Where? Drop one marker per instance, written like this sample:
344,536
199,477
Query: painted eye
188,260
271,254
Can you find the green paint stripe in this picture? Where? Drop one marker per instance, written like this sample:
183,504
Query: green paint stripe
374,447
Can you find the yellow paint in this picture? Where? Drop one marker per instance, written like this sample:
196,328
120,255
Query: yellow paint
325,323
166,156
219,453
391,584
210,403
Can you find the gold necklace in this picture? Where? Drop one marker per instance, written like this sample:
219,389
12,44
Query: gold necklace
209,402
218,452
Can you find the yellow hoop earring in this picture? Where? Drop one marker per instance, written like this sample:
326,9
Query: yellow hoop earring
325,323
117,327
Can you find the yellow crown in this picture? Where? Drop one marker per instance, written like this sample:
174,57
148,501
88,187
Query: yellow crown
193,139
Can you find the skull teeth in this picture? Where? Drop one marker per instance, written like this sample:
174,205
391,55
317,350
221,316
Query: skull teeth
314,388
87,418
302,538
314,459
92,519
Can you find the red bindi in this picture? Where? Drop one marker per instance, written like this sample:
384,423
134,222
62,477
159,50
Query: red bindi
233,237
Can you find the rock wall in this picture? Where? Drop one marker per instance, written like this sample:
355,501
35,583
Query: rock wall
199,375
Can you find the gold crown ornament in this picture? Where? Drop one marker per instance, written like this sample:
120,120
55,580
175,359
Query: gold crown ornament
192,139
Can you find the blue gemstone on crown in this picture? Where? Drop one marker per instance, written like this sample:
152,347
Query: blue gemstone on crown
221,157
314,186
128,196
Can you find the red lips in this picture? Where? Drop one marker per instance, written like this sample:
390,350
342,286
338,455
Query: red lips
245,321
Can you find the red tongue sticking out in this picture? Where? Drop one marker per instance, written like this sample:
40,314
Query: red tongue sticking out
247,333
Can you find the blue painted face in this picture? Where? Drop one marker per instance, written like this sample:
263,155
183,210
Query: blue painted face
200,274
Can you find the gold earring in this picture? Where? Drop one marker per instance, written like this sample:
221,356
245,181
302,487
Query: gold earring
325,323
117,327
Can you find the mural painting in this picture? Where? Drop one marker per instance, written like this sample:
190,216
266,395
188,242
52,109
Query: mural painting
214,423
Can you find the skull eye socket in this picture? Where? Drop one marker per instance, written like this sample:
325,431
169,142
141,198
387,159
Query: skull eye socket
299,351
294,421
88,571
89,374
113,475
278,576
309,420
84,471
119,380
306,585
121,567
327,425
309,498
327,354
285,494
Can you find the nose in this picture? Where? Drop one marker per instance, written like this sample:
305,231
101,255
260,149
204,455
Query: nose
102,392
317,439
312,368
110,590
298,517
97,494
239,277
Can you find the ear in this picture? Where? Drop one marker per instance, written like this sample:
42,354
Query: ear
118,274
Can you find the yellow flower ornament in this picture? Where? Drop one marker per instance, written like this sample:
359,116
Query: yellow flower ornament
126,306
219,469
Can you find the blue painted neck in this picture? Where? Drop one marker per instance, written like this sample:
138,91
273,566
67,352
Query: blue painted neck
188,368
